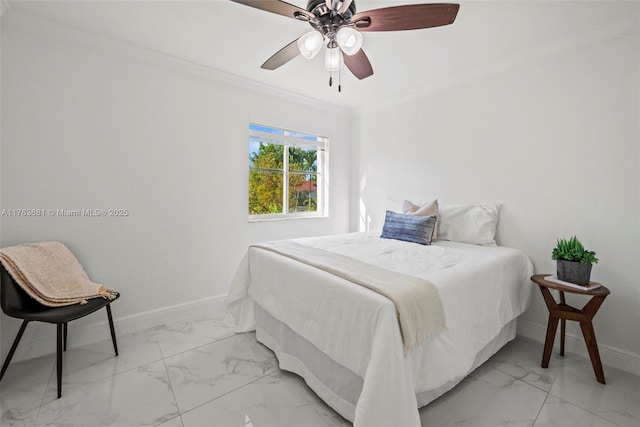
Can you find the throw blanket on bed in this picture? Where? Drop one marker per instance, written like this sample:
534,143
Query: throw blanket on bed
51,274
417,302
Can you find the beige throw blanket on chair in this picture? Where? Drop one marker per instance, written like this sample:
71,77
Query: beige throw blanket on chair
51,274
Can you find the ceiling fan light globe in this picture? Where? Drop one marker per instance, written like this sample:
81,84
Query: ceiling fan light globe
349,40
332,59
310,44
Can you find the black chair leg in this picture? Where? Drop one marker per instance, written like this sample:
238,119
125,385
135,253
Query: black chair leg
64,335
13,348
59,357
113,332
64,332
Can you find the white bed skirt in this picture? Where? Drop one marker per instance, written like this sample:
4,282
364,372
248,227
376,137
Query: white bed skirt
337,385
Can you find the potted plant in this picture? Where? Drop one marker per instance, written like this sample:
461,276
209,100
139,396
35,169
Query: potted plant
573,261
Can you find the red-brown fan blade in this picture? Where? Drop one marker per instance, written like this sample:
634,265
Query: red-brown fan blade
277,6
409,17
358,64
282,56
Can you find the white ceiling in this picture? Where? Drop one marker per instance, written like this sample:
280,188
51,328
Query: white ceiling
237,39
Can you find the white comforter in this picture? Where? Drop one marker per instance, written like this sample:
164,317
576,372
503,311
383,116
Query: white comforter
482,289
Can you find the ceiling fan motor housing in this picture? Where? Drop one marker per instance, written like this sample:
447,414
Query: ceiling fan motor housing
319,8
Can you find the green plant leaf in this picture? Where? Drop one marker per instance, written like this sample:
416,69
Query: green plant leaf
572,249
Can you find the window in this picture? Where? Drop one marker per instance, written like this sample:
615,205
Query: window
287,173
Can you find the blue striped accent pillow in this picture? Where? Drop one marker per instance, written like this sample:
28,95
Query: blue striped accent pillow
410,228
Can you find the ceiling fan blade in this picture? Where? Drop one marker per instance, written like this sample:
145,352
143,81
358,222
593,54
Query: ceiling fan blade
408,17
345,6
358,64
277,6
282,56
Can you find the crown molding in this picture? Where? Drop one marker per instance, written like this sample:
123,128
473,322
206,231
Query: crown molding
609,31
48,28
35,25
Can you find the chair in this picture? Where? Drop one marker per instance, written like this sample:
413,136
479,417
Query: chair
17,303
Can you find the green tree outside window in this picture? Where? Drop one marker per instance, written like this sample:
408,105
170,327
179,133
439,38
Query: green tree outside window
287,173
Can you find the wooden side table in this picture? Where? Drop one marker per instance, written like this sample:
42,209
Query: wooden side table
563,312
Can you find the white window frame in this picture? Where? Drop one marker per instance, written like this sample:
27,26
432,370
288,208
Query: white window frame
290,138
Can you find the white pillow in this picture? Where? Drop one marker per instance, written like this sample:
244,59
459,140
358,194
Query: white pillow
474,224
427,209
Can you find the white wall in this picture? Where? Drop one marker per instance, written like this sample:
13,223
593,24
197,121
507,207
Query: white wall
88,123
555,138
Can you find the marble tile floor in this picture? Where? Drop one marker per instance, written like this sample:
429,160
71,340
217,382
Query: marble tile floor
197,372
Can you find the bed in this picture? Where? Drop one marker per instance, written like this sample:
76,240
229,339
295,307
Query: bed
345,339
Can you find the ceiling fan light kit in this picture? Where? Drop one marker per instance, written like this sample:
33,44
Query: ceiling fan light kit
349,40
310,44
336,24
332,59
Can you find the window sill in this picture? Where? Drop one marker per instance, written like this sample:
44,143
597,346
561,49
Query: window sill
285,217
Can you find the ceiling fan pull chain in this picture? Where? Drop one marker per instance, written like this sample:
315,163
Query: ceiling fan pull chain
340,73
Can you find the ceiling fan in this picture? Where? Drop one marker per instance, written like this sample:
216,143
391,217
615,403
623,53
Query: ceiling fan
336,23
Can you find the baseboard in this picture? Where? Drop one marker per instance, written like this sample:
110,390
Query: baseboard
40,338
611,356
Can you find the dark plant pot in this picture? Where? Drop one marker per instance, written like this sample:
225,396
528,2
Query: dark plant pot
573,272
